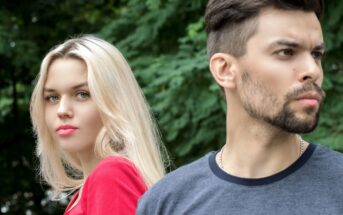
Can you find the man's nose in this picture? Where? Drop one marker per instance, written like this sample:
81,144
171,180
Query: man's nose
310,70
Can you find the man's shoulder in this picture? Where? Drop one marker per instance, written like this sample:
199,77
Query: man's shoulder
329,159
329,154
176,187
187,172
177,179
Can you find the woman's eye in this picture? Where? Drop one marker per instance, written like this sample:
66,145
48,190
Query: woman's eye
83,95
51,99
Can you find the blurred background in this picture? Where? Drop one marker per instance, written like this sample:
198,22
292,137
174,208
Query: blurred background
164,42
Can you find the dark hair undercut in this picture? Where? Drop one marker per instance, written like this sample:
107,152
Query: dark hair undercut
230,23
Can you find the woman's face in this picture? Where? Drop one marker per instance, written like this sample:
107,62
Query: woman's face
70,113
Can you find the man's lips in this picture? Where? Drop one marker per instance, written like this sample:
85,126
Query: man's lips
311,99
66,130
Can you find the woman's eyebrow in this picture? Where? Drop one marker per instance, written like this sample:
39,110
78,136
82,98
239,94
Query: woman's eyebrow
84,84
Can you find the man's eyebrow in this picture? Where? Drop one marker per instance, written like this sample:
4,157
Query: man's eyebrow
320,47
294,44
287,43
84,84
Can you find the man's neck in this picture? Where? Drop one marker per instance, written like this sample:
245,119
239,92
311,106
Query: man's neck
256,150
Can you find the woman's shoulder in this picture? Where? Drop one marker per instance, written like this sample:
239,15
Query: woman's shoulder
114,185
114,168
114,163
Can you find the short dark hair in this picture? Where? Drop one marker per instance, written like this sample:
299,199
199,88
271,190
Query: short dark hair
230,23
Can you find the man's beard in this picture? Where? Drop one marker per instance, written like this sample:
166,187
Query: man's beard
286,118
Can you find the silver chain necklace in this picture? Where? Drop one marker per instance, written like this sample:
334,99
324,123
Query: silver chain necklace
301,151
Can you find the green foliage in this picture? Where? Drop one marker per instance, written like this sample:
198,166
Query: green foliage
165,43
175,77
174,73
330,131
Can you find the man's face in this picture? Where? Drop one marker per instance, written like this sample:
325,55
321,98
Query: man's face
281,73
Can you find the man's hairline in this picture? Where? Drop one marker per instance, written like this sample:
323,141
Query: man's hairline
251,32
255,20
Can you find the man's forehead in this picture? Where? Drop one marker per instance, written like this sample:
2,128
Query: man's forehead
294,26
271,17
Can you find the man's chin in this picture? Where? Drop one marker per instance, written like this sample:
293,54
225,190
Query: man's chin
303,125
296,123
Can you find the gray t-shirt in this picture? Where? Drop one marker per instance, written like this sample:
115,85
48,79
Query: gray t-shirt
311,185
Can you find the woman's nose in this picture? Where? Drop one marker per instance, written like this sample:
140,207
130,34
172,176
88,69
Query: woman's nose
64,109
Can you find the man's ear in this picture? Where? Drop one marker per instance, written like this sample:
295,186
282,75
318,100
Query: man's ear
224,69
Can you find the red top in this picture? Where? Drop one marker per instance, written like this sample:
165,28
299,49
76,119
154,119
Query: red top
113,187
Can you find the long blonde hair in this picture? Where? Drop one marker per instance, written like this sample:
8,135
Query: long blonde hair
128,130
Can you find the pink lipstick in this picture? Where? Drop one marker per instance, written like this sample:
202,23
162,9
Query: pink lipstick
66,130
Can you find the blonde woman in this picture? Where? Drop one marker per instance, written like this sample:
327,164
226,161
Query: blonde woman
94,131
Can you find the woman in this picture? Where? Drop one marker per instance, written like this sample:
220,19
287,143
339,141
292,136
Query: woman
94,131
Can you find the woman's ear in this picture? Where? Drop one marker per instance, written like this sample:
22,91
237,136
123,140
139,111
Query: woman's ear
224,69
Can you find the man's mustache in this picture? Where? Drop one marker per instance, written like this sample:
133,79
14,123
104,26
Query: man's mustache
308,87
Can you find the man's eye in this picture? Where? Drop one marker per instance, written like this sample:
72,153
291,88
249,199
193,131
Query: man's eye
317,55
51,99
285,52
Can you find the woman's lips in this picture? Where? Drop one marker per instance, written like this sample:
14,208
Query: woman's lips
66,130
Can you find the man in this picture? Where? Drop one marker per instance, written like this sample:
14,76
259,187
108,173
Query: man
266,56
